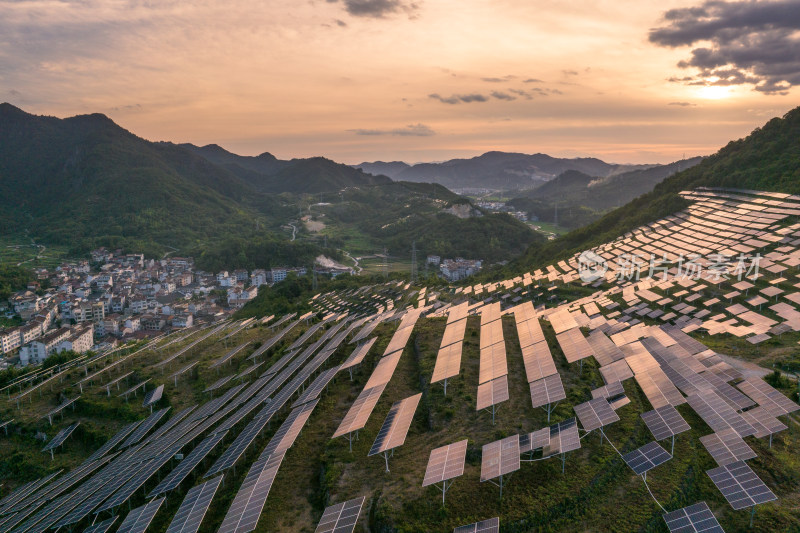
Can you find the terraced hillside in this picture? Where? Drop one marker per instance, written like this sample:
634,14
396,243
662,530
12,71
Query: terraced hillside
571,389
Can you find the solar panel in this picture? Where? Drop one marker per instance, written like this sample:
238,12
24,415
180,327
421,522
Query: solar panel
772,400
179,473
285,436
341,518
616,371
611,390
153,396
358,354
538,361
491,334
595,414
394,429
358,414
492,392
696,518
605,351
718,414
658,388
113,441
491,525
317,386
763,422
245,510
25,490
446,462
218,384
500,457
193,508
726,447
547,391
493,362
101,527
665,422
574,345
646,458
740,485
60,437
384,370
535,440
563,438
448,362
144,427
138,519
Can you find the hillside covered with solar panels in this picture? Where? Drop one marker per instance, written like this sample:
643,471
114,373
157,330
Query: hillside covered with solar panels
641,383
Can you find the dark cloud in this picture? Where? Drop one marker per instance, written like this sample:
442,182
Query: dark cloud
498,80
755,43
533,80
14,92
378,8
569,72
412,130
459,98
682,104
340,23
502,96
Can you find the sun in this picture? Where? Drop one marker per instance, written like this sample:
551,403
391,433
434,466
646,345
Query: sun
713,92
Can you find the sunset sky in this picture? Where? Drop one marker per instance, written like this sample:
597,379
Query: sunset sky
360,80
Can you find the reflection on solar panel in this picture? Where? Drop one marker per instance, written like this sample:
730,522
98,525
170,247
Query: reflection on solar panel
767,397
183,469
101,527
384,370
341,518
740,485
358,354
492,393
595,414
491,525
548,390
646,458
491,333
493,362
665,422
718,414
60,437
290,428
605,351
658,388
446,462
193,508
563,438
574,345
138,519
696,518
616,371
153,396
245,510
356,418
394,429
499,458
726,447
538,361
448,362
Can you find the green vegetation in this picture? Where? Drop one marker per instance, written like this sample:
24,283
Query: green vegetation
13,279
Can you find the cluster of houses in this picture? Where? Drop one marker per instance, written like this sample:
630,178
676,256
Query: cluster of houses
455,269
502,207
117,297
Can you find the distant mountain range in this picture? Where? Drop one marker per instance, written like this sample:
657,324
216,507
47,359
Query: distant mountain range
84,181
495,170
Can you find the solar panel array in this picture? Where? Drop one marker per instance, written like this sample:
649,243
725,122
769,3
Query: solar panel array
740,485
341,517
534,440
767,397
726,447
184,468
547,390
153,396
696,518
60,437
446,462
492,393
491,525
595,414
358,354
665,422
764,423
143,428
357,415
563,438
395,428
646,457
500,457
718,414
139,518
101,527
190,514
538,361
574,345
245,510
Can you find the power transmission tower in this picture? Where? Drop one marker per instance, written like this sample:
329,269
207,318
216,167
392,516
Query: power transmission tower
414,261
314,278
385,263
